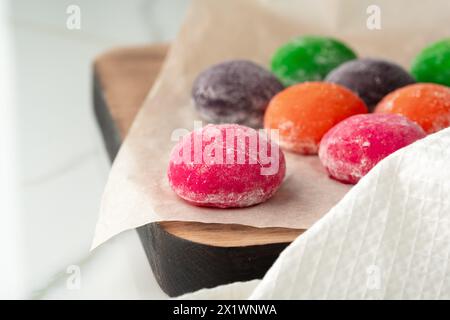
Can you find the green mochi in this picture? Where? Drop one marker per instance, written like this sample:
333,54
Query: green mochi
432,64
309,58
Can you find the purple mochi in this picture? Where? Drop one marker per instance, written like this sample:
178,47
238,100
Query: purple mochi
236,91
371,79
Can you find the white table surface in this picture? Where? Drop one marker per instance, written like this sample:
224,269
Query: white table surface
61,163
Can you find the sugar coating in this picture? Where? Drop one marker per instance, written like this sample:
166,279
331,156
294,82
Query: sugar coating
432,64
427,104
370,79
236,91
303,113
216,182
354,146
309,58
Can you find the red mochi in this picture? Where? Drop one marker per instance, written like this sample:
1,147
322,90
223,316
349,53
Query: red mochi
226,166
354,146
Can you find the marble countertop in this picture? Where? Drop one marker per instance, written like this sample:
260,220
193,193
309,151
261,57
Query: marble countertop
61,163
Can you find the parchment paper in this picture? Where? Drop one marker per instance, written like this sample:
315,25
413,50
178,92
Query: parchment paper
137,191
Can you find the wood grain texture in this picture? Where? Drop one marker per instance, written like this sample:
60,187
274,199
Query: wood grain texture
230,252
126,76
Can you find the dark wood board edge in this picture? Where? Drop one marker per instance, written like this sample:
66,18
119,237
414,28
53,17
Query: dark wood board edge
181,266
108,129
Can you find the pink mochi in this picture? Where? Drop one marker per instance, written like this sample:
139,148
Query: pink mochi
226,166
354,146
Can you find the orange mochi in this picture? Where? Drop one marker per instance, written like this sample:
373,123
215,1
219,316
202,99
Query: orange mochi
303,113
427,104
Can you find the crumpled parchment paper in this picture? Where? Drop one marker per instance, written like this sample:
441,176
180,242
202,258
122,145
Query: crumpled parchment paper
138,192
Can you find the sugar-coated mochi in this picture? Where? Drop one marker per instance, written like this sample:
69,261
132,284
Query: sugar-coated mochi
226,166
370,79
354,146
303,113
236,91
309,58
427,104
432,64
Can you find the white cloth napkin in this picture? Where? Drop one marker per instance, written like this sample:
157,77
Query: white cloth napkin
388,238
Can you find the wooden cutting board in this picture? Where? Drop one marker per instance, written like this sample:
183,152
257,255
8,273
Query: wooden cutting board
184,256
